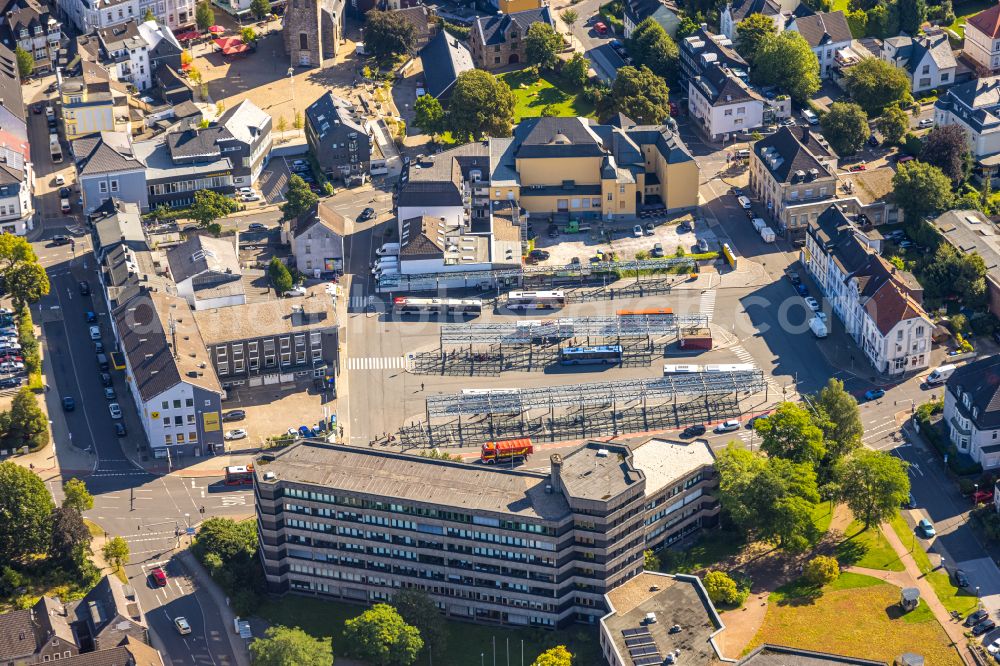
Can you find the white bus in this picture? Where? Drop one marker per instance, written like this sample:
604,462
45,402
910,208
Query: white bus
536,300
679,369
446,306
732,367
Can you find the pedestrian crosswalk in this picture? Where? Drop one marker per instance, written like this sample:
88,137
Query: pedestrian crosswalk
878,431
376,363
707,304
774,388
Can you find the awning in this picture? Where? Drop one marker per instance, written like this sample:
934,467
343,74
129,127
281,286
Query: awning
231,45
188,36
216,29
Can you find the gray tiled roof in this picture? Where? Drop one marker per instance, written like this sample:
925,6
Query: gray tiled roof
491,30
17,635
721,87
107,152
824,28
328,111
799,150
557,137
117,221
193,143
742,9
443,59
981,96
981,380
132,653
201,253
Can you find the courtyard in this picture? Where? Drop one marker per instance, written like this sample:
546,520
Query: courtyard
546,94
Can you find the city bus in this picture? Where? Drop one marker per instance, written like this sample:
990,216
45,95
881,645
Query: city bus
536,300
404,305
607,354
239,475
731,367
680,369
649,312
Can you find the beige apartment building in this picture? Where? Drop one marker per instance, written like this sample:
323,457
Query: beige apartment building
494,545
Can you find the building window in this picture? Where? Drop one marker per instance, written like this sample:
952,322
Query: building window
168,439
102,187
114,186
303,40
177,404
166,421
180,438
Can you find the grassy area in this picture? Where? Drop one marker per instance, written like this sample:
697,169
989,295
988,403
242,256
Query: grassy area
711,548
877,629
868,549
546,91
822,516
909,539
95,529
968,9
465,642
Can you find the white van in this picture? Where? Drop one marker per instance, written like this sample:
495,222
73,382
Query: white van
744,202
388,249
940,374
382,262
810,117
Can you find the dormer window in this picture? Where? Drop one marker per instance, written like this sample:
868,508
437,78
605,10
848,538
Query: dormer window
967,400
975,412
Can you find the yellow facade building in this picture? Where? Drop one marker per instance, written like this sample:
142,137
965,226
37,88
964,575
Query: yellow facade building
511,6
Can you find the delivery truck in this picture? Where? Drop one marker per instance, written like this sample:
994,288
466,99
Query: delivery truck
767,233
940,374
508,450
818,328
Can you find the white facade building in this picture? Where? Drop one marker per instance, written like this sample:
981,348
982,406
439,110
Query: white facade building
982,40
927,59
826,33
975,107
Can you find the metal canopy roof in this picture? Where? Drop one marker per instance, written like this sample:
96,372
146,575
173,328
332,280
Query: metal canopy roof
524,331
516,401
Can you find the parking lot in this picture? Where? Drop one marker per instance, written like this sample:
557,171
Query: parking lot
271,411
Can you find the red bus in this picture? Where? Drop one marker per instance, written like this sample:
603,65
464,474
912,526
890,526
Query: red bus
239,475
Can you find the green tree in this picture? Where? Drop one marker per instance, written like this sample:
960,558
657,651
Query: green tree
15,250
857,21
893,124
569,17
297,120
481,105
877,85
278,273
557,656
204,16
788,62
722,589
76,496
260,9
429,114
27,282
210,206
542,44
576,70
26,507
70,543
650,45
921,189
25,62
845,126
149,15
380,636
791,433
417,609
821,570
28,423
290,646
954,276
640,95
841,419
752,33
912,13
947,148
874,484
298,198
248,34
282,125
650,561
388,34
115,552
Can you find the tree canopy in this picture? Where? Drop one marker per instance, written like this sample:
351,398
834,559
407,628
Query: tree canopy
947,148
893,124
210,206
24,277
752,33
650,45
912,13
429,114
845,126
641,95
25,62
388,34
76,496
481,105
541,44
722,589
576,69
70,543
557,656
419,610
25,508
290,646
874,484
787,61
950,274
279,275
791,433
921,189
876,85
260,9
28,425
841,422
298,198
204,16
380,636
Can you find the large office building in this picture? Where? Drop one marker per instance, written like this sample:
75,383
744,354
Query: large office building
488,544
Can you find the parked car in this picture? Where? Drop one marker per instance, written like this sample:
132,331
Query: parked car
873,141
986,625
64,192
95,332
600,28
366,214
69,404
693,431
298,290
702,245
244,190
59,239
116,410
802,289
105,379
658,250
858,167
539,255
637,231
752,422
874,394
305,431
727,426
812,303
10,382
249,198
976,617
961,579
925,122
238,433
256,226
11,366
684,228
234,415
183,628
926,529
650,229
159,577
109,393
120,430
60,180
91,317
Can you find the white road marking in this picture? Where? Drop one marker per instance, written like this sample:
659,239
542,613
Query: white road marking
706,305
376,363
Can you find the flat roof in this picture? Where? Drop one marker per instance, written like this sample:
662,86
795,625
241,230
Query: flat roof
598,471
664,461
278,316
155,154
386,476
675,600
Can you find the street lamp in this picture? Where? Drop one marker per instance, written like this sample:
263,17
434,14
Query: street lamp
975,494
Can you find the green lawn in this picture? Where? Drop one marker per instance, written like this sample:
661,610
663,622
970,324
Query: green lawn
712,547
465,642
968,9
822,515
533,95
868,549
804,618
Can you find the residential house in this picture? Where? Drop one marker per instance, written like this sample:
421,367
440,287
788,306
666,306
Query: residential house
30,25
129,653
794,174
423,21
826,33
132,51
982,40
927,59
317,240
969,231
206,272
872,190
170,375
704,48
621,492
249,141
515,6
93,102
286,340
443,59
975,107
115,223
17,174
38,634
110,615
340,138
175,14
106,167
972,410
497,41
880,306
734,12
723,104
664,12
86,15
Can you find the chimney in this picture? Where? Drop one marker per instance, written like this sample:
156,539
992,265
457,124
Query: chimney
555,463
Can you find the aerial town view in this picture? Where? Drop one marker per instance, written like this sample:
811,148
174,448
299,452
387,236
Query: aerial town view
500,332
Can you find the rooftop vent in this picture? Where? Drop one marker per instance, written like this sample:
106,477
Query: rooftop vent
268,476
602,453
650,618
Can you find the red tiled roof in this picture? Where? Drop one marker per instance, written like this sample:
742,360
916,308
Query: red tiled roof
890,305
987,21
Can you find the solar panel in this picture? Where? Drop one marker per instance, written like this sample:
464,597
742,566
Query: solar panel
638,631
637,641
642,650
650,660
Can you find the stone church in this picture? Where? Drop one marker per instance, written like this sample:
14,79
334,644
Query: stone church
313,30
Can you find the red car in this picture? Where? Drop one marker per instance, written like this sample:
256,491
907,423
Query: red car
159,577
600,28
858,167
